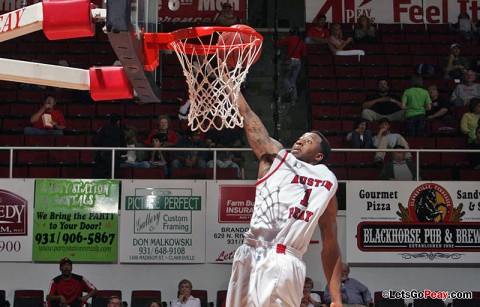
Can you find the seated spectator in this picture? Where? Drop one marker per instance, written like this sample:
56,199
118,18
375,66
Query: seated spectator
474,157
110,135
156,157
382,104
464,92
416,101
399,168
440,112
226,17
114,301
361,136
353,291
133,158
455,65
47,120
190,158
384,139
465,26
310,299
469,121
337,44
365,31
185,297
169,136
318,33
154,303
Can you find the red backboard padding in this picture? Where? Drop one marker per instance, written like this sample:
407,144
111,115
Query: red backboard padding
109,83
67,19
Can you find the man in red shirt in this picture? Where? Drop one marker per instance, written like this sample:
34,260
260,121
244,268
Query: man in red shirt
318,34
295,53
47,120
66,290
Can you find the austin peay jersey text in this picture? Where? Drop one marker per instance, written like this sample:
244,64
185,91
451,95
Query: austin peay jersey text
289,200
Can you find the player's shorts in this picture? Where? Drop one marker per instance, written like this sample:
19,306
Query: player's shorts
265,275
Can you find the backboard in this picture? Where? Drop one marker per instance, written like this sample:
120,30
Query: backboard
126,20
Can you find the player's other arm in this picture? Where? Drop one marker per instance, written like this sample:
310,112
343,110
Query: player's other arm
257,135
331,257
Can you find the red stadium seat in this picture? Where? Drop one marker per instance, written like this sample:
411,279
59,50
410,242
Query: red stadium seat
369,173
325,111
317,97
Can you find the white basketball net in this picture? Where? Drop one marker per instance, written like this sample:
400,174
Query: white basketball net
213,87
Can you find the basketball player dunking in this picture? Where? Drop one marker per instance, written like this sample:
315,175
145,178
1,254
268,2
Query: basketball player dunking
294,192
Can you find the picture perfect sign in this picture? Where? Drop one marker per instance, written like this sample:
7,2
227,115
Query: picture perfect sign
413,222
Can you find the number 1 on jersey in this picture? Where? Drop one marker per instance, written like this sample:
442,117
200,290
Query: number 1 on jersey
304,201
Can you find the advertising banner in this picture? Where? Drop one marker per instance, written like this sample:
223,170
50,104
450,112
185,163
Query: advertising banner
76,219
163,221
16,207
229,209
413,222
395,11
197,11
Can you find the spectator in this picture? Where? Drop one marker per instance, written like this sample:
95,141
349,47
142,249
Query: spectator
440,116
47,120
226,17
156,158
184,295
190,158
310,299
296,51
337,44
66,290
455,66
318,33
416,101
474,157
382,104
110,135
365,31
169,136
398,168
465,26
114,301
361,136
384,139
353,291
154,303
133,158
469,121
464,92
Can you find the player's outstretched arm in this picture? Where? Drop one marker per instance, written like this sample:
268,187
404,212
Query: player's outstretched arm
331,257
257,135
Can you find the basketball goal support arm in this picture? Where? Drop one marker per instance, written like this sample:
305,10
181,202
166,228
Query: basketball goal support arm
61,19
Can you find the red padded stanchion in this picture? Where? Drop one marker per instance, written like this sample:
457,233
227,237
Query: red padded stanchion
109,83
67,19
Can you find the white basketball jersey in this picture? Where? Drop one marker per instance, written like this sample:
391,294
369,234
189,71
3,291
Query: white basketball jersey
289,200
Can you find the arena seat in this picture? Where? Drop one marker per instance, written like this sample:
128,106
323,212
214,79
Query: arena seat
141,298
28,298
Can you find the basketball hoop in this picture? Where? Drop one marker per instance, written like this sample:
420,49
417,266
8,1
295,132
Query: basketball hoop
215,61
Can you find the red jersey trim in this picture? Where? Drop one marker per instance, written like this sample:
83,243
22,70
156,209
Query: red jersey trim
276,168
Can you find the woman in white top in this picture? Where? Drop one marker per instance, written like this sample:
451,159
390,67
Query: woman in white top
337,44
184,298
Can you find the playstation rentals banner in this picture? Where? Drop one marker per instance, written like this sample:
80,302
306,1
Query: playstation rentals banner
413,222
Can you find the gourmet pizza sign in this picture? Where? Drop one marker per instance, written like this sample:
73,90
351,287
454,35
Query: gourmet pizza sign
413,222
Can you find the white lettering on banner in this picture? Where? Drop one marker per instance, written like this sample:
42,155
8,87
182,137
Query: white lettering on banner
11,21
216,5
10,212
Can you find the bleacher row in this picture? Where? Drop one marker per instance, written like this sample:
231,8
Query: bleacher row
338,85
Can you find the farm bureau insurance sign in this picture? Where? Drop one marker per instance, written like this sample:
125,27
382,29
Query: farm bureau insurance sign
163,223
76,219
413,222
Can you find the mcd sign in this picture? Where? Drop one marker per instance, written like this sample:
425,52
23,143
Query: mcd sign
395,11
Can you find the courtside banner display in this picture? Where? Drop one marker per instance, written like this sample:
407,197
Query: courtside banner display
16,209
7,6
413,222
198,11
230,207
395,11
77,219
163,221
